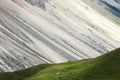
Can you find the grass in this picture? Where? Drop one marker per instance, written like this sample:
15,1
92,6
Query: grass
106,67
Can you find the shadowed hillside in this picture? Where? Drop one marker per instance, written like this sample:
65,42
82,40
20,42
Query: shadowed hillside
106,67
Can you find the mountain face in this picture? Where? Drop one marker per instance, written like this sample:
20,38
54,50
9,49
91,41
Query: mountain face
52,31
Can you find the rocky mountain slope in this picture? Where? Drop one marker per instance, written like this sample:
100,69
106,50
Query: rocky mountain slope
52,31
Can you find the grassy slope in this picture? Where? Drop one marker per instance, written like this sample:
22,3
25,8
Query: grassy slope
106,67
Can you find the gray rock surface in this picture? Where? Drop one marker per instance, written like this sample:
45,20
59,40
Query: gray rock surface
34,32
